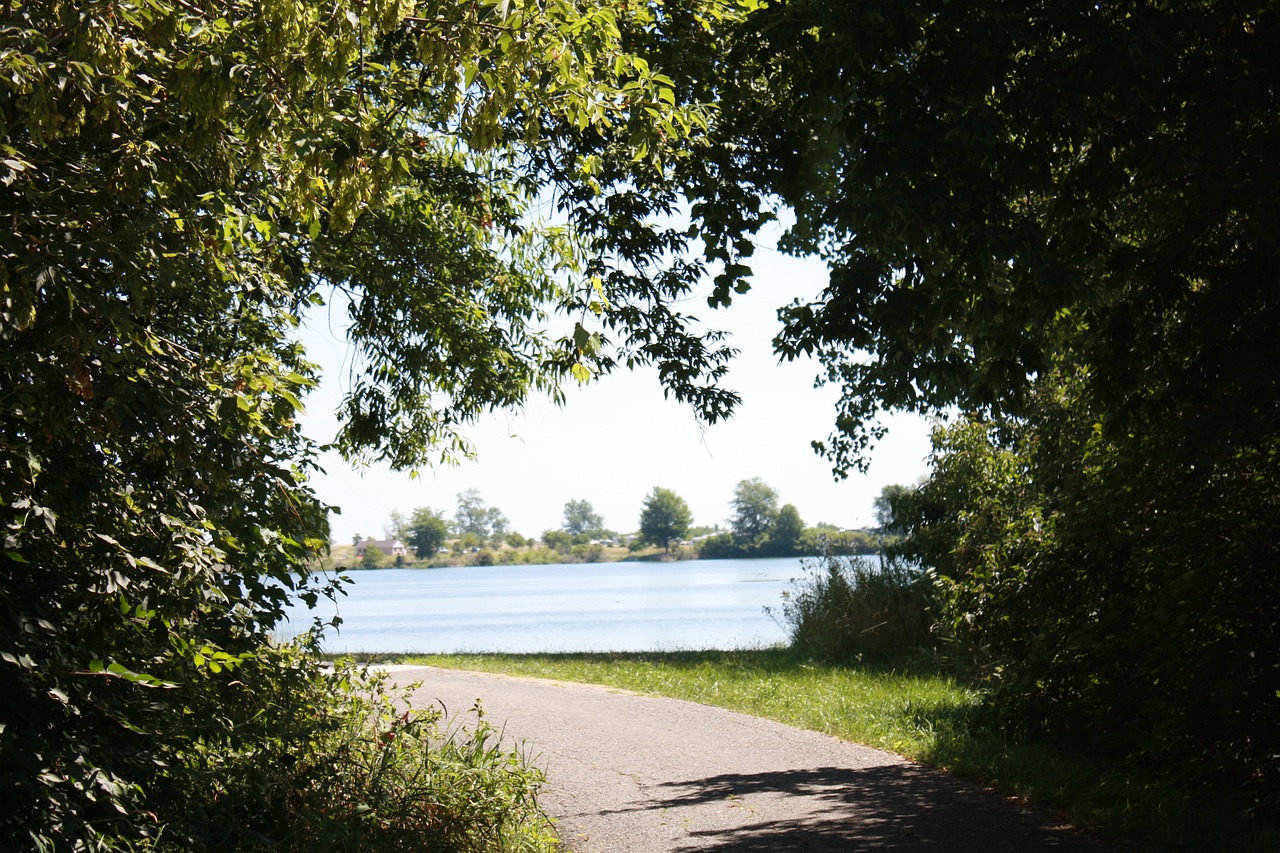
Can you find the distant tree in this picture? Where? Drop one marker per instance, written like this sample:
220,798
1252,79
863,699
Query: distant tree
485,523
397,526
373,558
664,518
496,525
755,510
427,532
587,552
787,530
884,508
557,540
357,538
581,519
472,516
516,540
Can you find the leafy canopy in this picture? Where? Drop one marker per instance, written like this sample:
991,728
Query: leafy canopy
1056,220
179,181
1005,187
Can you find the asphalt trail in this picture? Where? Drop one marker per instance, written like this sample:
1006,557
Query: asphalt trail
639,774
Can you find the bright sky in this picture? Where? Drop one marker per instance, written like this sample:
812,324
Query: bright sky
614,440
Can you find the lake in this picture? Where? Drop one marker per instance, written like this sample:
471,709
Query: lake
699,604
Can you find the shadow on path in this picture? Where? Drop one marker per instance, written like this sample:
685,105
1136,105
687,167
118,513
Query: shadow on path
889,808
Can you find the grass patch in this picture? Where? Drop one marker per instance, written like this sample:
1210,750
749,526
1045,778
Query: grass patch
916,710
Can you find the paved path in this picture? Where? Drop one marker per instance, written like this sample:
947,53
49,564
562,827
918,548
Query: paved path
639,774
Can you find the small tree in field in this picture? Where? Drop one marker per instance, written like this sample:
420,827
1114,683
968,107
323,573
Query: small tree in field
427,531
665,518
755,510
373,558
581,520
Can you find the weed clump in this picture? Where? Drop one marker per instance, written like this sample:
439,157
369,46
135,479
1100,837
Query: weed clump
855,609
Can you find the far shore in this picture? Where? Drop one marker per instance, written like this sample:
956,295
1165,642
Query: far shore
343,556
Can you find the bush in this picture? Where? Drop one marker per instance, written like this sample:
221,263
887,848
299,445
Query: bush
850,609
334,761
1115,587
588,553
722,546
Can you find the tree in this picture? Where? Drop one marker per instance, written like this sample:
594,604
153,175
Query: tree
496,523
373,557
883,505
787,531
580,519
985,218
397,526
471,516
557,540
179,185
664,518
428,531
1057,219
755,510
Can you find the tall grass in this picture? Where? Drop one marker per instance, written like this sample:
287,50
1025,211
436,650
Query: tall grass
859,609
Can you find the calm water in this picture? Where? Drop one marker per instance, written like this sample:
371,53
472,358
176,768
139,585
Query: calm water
703,604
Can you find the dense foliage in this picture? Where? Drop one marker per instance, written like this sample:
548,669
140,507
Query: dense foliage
178,181
1059,219
332,760
1112,590
1056,217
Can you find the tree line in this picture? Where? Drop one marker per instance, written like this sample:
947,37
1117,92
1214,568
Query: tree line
758,527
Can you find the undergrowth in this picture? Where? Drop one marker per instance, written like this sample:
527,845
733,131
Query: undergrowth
848,609
335,760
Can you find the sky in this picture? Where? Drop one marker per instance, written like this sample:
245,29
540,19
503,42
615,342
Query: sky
615,439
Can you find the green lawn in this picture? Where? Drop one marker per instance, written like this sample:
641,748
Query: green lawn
917,711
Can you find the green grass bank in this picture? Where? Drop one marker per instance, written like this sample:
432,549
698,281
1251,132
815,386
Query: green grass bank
920,711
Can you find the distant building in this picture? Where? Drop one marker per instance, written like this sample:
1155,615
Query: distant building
390,547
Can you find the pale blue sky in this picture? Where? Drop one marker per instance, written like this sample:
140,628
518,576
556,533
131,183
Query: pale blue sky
616,439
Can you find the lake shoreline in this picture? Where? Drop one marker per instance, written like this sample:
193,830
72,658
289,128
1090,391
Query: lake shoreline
342,558
568,607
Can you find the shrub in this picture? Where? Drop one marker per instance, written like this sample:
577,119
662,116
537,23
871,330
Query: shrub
720,547
849,609
588,553
1112,585
335,761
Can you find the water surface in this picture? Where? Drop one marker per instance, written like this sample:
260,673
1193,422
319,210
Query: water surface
701,604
